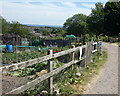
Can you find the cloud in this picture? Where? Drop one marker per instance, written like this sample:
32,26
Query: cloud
68,4
87,5
43,13
36,3
55,0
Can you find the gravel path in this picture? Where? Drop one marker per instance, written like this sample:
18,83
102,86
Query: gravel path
107,81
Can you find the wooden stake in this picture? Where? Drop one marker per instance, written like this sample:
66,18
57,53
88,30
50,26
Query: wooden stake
86,53
73,55
50,63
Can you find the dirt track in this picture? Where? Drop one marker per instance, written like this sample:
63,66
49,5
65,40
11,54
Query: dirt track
107,81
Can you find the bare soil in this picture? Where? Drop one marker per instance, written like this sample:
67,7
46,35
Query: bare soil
11,82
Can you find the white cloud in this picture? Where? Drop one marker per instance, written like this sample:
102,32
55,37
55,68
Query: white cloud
88,5
68,4
48,4
45,14
56,1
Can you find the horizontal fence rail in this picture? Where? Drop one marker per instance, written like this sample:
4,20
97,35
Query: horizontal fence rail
89,49
41,78
24,64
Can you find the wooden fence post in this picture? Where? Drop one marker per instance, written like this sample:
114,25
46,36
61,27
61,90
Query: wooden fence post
50,63
73,55
86,55
90,52
99,44
97,47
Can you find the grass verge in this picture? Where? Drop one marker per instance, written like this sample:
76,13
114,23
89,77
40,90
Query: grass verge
88,73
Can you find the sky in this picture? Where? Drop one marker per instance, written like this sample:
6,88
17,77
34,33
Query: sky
45,12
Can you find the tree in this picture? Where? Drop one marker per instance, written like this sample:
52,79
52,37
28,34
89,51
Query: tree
76,25
18,28
96,19
112,18
14,27
5,25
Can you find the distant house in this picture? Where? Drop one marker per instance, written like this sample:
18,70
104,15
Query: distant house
11,39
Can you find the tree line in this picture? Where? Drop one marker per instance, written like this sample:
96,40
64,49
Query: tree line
102,20
13,27
24,31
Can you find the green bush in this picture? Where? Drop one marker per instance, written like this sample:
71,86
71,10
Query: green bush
66,90
9,58
109,39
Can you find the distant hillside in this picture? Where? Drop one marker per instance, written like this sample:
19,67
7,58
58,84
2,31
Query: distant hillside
57,26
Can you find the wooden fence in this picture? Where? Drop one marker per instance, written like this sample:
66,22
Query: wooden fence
89,49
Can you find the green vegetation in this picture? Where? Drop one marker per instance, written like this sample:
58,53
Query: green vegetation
24,31
30,70
111,18
96,20
102,20
82,24
76,25
89,72
17,28
66,78
14,27
110,39
66,90
9,58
